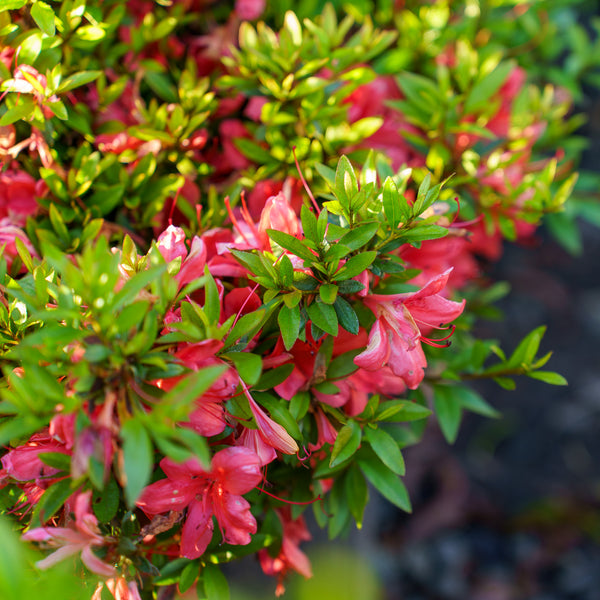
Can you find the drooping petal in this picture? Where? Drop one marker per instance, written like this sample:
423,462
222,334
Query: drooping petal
94,564
273,433
235,519
197,530
377,351
251,438
57,556
408,363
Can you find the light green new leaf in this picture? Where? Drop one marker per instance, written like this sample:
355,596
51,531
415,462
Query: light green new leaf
43,15
346,443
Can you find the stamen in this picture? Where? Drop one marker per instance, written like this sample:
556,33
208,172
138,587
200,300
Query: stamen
239,313
308,454
289,501
235,221
246,215
198,213
173,206
310,195
440,326
435,343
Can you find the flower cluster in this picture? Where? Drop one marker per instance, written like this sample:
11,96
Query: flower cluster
237,248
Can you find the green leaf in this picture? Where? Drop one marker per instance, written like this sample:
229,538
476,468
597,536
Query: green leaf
21,111
191,387
386,448
24,253
215,583
188,576
486,87
279,411
346,316
161,85
359,236
58,460
253,151
247,326
138,459
473,401
388,484
249,366
309,224
548,377
77,79
288,320
323,316
346,443
355,265
272,377
447,404
505,382
289,242
43,15
527,349
346,184
106,502
391,203
357,493
328,292
52,499
12,4
212,302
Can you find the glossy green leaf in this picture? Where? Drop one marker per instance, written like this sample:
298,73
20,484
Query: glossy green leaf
138,459
288,320
346,184
323,316
355,265
347,318
447,404
386,448
548,377
357,493
289,242
43,15
248,365
105,503
346,443
388,484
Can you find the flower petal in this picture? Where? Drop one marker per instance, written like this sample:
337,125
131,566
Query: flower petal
197,531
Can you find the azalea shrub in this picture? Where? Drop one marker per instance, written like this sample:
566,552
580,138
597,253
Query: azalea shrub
245,246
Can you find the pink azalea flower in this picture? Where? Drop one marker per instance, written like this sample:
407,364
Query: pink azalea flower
395,337
271,433
290,557
81,537
208,417
120,588
171,244
234,471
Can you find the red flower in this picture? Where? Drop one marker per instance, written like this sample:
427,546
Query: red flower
234,471
395,337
